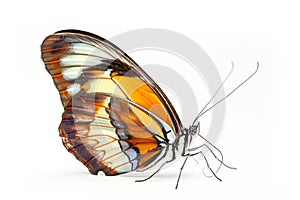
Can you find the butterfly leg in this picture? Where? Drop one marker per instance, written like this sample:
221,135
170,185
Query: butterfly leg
191,155
211,151
207,164
187,156
142,180
181,169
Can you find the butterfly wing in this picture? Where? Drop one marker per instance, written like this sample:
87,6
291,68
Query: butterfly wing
116,118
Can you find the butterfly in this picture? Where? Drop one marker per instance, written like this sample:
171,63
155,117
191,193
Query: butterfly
116,118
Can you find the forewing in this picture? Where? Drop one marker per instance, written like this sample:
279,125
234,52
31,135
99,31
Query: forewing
81,62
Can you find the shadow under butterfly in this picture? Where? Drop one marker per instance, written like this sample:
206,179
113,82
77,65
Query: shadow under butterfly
116,118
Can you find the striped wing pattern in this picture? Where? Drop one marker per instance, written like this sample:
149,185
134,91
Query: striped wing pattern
116,118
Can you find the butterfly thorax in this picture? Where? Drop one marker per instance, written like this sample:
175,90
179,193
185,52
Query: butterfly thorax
185,139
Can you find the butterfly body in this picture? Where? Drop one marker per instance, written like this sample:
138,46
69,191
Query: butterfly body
116,118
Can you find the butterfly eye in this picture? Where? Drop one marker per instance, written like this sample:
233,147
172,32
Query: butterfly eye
193,130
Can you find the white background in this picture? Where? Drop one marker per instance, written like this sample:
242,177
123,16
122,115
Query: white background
261,133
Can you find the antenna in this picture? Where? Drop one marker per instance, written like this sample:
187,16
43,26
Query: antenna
216,92
202,112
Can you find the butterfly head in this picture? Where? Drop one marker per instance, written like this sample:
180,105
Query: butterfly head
194,129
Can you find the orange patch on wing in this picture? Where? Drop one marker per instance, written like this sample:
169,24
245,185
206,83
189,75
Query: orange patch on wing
140,93
145,147
133,124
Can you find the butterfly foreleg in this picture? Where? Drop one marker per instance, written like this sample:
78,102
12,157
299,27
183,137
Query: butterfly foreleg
194,150
208,166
